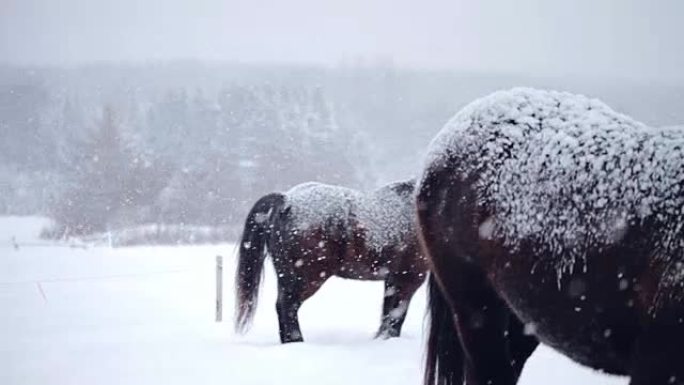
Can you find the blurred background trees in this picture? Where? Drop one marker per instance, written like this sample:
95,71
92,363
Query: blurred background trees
108,147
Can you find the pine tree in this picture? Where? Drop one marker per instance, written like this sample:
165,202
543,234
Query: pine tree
109,185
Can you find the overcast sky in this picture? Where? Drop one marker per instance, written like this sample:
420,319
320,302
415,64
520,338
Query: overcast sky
624,38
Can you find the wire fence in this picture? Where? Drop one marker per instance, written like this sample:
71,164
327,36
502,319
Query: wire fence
204,267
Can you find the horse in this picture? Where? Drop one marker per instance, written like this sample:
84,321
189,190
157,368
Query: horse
315,231
547,217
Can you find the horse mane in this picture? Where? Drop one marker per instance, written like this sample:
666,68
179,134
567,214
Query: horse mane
404,187
567,172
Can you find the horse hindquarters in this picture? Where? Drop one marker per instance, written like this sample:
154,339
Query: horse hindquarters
445,215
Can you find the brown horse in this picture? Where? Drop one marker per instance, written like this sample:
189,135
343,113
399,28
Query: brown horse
315,231
549,217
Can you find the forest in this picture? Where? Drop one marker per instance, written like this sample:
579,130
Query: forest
180,150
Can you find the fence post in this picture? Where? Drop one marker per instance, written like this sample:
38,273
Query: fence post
219,288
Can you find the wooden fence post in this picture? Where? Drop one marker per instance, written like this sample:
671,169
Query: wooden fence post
219,288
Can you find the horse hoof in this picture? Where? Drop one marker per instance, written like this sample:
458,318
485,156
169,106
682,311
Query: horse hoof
386,334
291,337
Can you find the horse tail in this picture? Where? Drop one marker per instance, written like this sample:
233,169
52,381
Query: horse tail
443,360
253,247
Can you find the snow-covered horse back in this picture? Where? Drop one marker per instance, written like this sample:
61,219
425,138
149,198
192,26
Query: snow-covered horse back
315,231
549,216
568,173
384,217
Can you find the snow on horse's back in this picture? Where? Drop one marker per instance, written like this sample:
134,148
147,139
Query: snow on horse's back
548,216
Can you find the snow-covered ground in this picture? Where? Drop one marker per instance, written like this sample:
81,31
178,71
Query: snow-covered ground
145,315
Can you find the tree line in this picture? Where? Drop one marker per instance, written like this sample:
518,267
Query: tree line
188,158
107,147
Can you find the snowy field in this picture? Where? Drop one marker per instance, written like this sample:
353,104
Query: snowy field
145,315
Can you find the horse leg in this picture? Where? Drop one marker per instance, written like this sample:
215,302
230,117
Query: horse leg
287,307
482,320
657,358
520,344
293,290
399,290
